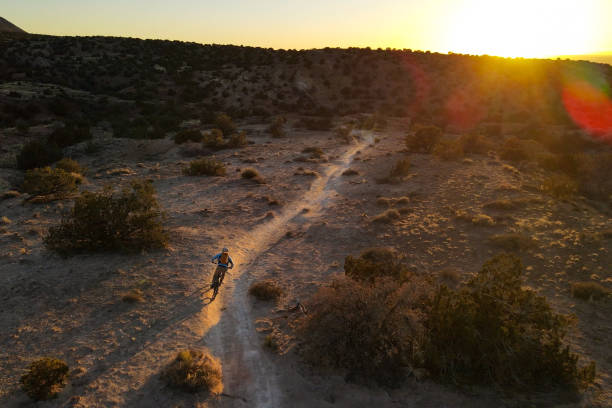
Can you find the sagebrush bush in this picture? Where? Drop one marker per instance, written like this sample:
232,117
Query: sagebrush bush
590,290
47,181
513,241
371,331
129,220
195,370
493,331
225,123
266,290
387,216
237,139
252,174
375,263
70,166
345,133
38,154
45,378
214,139
205,167
423,138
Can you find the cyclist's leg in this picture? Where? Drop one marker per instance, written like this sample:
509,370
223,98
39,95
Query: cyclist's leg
222,273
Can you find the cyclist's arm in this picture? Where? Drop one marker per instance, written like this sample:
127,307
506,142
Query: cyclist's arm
216,257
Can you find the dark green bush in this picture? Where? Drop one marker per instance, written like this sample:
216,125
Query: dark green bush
38,154
194,370
45,378
590,291
423,138
205,167
46,181
69,135
375,263
493,331
188,135
130,220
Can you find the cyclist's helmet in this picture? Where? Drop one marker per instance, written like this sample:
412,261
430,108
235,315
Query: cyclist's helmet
225,250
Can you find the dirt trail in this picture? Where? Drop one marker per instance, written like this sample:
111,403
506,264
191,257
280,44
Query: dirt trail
249,374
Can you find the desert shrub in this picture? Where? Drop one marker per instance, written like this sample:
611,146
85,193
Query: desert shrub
205,167
448,150
130,220
400,169
188,135
225,123
513,241
37,154
270,342
277,127
494,331
560,186
320,124
194,370
251,174
237,139
214,139
45,378
387,217
350,172
375,263
69,135
266,290
46,181
483,220
513,150
70,166
505,204
590,291
370,331
473,143
423,138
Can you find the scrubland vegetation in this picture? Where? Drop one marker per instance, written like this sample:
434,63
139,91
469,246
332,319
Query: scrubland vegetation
457,157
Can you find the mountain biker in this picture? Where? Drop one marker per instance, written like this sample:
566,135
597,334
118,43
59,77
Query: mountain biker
224,261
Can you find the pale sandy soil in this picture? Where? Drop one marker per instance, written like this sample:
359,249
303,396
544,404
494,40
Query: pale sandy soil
72,308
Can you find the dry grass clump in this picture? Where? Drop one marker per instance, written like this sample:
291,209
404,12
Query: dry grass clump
195,370
130,220
590,291
483,220
252,174
384,201
345,133
314,152
423,138
505,204
205,167
4,220
374,263
46,181
133,296
45,378
513,241
266,290
387,217
400,169
70,166
271,343
514,150
9,194
469,143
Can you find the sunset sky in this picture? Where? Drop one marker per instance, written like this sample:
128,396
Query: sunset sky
529,28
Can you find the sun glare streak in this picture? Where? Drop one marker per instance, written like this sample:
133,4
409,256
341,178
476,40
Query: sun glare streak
587,97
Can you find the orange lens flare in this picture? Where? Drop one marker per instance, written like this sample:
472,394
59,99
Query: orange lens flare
463,111
587,99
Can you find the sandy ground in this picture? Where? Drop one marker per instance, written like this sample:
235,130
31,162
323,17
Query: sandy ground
72,308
